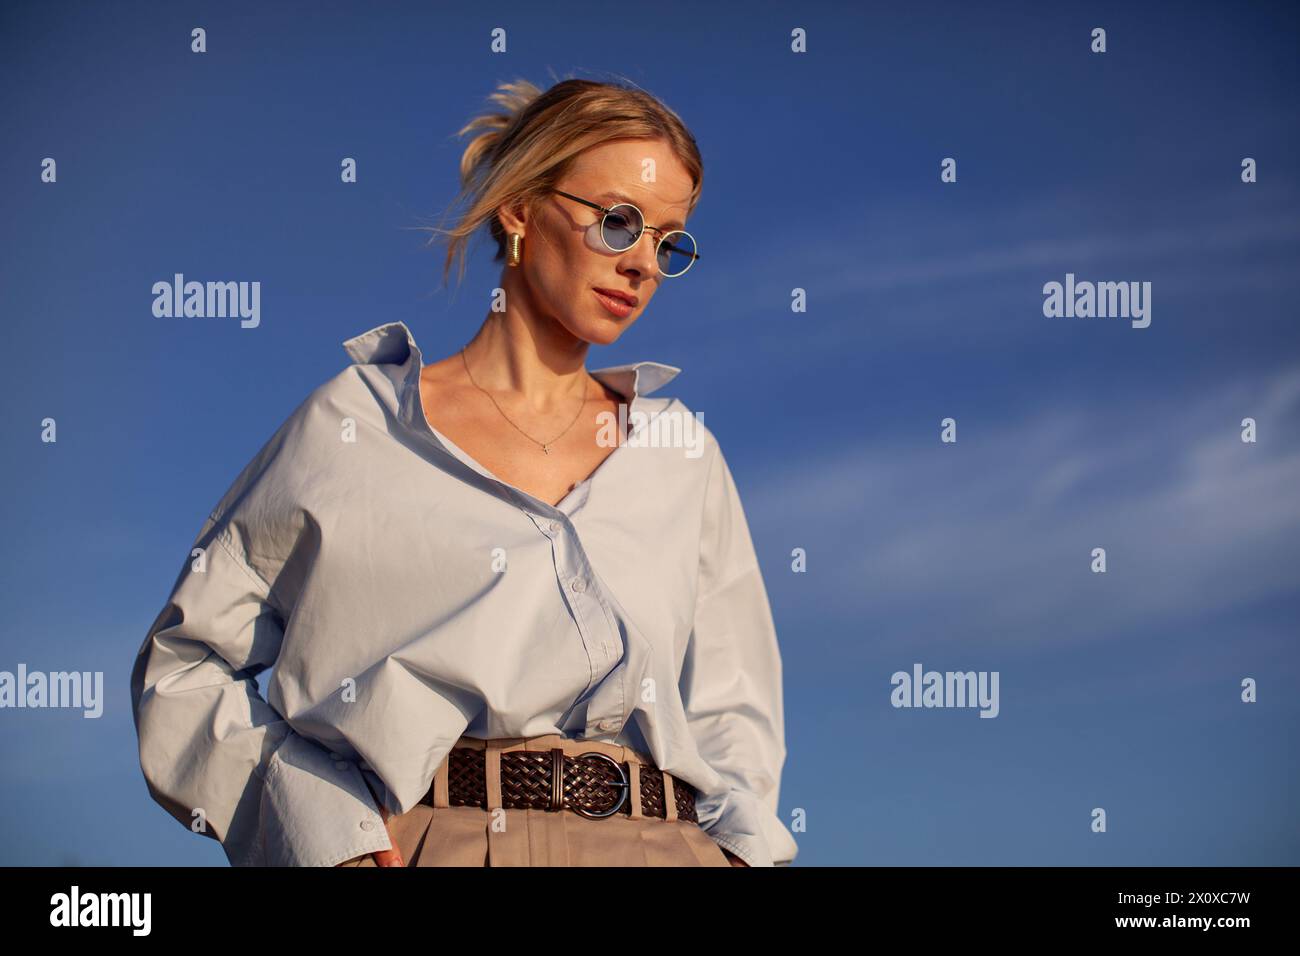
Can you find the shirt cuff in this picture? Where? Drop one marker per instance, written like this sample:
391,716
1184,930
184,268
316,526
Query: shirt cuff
315,810
743,825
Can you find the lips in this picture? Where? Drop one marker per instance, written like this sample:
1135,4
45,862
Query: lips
626,297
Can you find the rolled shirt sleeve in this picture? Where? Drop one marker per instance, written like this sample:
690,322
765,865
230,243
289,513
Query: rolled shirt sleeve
215,754
731,684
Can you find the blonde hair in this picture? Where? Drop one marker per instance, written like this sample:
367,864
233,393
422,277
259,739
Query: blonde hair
531,144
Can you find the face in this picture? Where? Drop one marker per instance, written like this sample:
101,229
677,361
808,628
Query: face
564,260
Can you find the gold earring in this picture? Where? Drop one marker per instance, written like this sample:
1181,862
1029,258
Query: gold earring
516,250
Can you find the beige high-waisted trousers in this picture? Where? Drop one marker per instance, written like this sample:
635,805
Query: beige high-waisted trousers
444,835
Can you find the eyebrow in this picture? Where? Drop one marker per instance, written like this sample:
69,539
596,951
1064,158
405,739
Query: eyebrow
620,197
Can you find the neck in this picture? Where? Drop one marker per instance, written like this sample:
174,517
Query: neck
539,360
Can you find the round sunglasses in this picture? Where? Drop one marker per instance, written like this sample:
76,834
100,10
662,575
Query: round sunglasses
621,226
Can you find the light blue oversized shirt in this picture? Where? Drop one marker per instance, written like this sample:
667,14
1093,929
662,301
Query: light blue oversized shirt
406,596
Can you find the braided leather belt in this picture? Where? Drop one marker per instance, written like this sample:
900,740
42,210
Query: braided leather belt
592,784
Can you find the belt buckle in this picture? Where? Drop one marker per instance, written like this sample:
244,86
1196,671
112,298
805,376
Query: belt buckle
622,782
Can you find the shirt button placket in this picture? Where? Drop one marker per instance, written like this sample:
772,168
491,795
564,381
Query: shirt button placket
553,529
584,611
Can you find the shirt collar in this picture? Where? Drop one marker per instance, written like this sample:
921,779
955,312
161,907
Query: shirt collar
392,343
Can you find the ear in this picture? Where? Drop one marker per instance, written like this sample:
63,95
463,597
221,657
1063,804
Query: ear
513,218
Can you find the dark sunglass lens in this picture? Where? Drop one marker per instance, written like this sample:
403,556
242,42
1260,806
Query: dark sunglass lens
622,226
676,253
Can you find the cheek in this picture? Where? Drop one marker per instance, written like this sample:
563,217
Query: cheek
562,294
558,266
550,279
562,291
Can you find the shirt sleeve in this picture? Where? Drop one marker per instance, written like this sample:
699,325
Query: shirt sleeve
215,754
731,684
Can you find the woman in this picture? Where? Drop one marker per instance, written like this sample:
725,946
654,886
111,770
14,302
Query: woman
513,606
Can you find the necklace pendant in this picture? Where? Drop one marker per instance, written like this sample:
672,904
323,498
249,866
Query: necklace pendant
546,449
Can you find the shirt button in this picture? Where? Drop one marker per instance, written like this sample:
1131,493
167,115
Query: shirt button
341,765
555,527
367,825
607,724
578,584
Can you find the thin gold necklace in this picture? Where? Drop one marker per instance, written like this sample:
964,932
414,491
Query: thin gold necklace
546,446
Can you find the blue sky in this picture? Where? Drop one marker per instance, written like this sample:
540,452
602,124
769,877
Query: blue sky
1118,691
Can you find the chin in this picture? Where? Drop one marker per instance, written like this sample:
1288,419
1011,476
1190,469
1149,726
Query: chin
601,331
604,333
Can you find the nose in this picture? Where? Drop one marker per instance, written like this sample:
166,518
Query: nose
640,259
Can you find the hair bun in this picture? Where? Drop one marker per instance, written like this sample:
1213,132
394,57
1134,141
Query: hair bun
513,97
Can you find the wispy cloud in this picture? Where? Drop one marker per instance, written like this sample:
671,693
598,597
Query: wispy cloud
996,531
937,253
